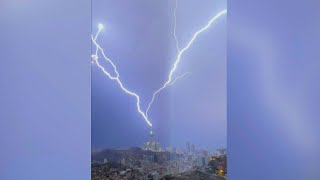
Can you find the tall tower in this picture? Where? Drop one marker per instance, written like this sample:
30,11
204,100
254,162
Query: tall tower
151,136
152,145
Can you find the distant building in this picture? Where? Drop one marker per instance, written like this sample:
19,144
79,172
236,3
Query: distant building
152,145
205,153
213,162
168,149
221,151
174,149
201,161
188,147
193,148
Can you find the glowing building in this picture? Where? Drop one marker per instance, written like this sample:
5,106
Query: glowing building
152,145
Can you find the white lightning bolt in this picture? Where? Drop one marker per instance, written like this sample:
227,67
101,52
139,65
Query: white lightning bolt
169,81
175,26
117,77
159,90
179,77
190,43
196,34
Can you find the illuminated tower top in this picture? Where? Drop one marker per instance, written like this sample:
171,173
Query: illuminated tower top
152,145
151,136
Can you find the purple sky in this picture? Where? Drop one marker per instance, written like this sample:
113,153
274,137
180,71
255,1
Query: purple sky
45,113
138,36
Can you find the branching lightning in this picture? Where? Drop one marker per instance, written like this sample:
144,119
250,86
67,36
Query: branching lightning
167,83
189,44
178,50
159,90
196,34
117,77
179,77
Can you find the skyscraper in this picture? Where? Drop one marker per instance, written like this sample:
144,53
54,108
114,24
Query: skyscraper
188,147
152,145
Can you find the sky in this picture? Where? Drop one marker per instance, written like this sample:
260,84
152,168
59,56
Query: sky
45,86
45,89
273,89
138,36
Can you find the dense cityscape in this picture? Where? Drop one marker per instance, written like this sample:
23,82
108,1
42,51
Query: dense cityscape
151,162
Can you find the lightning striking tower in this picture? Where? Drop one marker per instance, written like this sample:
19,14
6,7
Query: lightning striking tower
116,78
168,82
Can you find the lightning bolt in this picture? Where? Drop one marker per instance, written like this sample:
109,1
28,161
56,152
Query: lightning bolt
116,78
175,26
169,81
181,52
159,90
100,27
179,77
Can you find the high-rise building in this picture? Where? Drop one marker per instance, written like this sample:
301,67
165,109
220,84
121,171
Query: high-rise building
152,145
221,151
188,147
